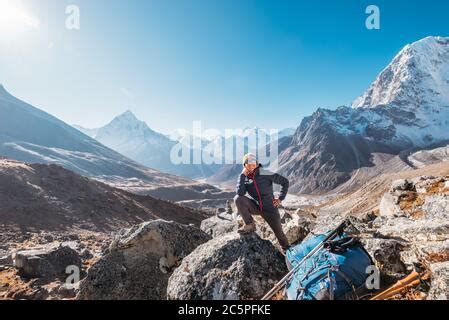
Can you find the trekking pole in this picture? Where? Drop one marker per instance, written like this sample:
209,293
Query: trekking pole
288,276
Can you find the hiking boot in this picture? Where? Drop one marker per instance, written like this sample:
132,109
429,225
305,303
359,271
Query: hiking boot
248,228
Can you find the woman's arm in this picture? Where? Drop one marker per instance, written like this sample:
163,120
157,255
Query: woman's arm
241,186
284,182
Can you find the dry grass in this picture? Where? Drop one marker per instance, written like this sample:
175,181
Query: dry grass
438,257
436,188
12,287
412,294
410,202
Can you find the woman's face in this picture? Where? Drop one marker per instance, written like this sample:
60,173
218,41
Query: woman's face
251,166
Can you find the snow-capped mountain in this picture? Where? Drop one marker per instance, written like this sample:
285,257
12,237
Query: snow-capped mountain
133,138
251,138
416,79
415,88
275,133
408,103
186,138
406,107
31,135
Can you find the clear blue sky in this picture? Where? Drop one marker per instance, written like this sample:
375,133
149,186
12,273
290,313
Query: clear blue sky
229,63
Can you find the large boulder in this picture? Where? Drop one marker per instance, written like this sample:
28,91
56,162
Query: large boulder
389,205
228,267
219,225
412,232
387,255
47,261
297,229
418,214
402,185
140,261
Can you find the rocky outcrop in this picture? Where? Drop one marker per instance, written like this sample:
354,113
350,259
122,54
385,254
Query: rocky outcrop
398,112
140,261
412,232
418,212
387,255
419,217
219,225
409,232
228,267
48,261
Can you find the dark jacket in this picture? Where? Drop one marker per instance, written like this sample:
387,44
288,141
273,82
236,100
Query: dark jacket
260,187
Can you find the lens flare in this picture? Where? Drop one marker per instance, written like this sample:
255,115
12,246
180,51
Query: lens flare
15,19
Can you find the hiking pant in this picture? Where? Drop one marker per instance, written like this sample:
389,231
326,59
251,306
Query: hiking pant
248,207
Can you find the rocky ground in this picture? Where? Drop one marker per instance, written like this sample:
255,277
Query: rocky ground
27,269
43,206
408,230
140,261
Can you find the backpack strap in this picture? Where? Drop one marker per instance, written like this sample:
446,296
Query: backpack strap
341,245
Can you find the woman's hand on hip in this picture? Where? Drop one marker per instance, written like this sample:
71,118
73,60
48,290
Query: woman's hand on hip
277,203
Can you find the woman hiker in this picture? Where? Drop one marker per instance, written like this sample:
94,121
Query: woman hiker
258,183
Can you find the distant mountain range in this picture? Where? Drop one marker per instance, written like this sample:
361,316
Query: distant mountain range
406,109
132,137
395,125
32,135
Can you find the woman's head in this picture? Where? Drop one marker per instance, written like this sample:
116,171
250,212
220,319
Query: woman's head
250,162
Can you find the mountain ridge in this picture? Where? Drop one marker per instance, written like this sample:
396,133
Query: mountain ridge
31,135
331,146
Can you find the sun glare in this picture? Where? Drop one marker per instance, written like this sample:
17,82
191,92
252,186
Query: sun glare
15,19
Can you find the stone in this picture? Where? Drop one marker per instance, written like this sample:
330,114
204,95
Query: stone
139,262
387,256
47,261
412,233
389,206
228,267
5,258
285,216
297,229
86,254
402,185
218,226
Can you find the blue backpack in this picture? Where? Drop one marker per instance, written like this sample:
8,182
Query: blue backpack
338,271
